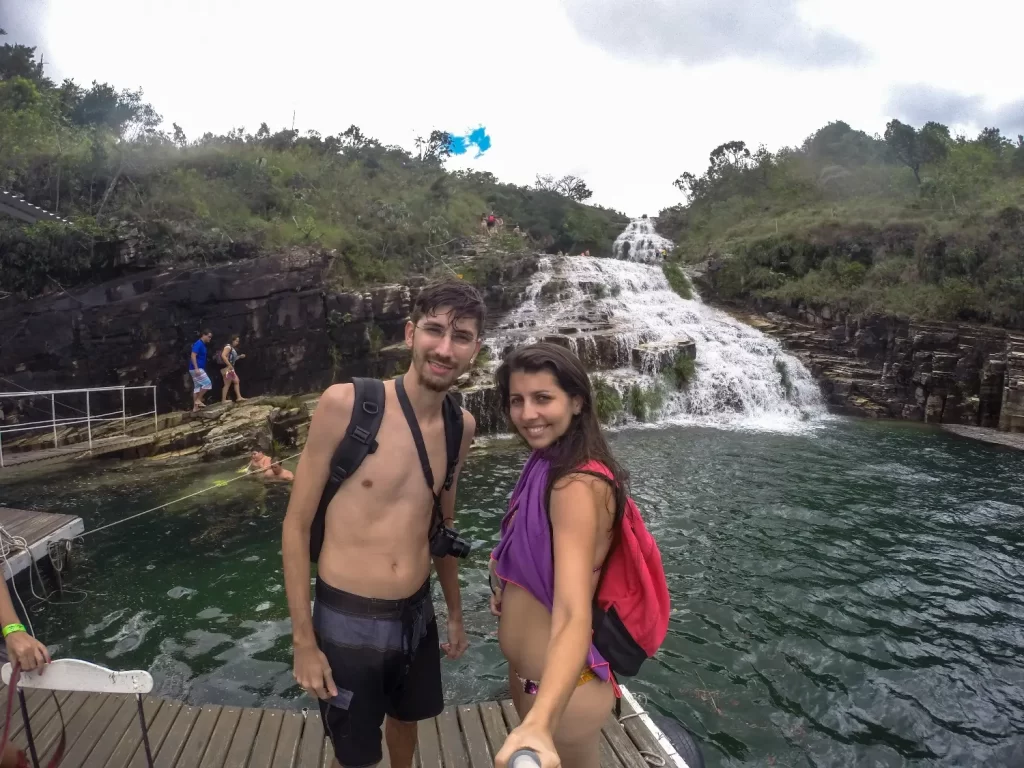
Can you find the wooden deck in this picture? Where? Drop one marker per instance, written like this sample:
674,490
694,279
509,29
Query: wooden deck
103,731
37,528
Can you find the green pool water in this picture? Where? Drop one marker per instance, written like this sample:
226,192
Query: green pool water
846,594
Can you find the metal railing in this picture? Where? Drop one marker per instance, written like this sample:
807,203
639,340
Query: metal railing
86,417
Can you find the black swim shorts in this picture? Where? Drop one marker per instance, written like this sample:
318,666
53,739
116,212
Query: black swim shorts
385,659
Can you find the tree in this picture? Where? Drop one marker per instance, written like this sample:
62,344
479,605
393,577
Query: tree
993,140
574,188
19,61
913,148
569,186
179,136
435,149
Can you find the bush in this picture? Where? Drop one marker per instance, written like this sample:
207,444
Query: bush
607,401
642,403
677,280
682,371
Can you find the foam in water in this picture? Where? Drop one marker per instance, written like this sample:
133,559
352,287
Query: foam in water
742,379
639,242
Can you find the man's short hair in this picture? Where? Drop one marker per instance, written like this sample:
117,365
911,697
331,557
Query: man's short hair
461,298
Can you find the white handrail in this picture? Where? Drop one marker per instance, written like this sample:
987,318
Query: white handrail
88,418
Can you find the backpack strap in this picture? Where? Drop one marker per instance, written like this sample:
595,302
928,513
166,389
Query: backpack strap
451,411
360,440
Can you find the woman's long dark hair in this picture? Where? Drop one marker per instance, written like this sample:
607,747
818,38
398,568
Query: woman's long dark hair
583,441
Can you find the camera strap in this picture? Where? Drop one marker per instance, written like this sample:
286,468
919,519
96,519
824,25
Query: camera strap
417,437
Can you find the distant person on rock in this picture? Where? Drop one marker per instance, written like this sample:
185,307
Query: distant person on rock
201,383
516,230
483,223
229,356
373,522
492,222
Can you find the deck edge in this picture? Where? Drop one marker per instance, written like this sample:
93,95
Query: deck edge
653,729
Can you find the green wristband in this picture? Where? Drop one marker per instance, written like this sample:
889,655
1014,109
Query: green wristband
12,628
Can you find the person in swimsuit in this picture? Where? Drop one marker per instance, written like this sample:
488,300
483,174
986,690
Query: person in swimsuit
229,356
545,568
370,652
269,470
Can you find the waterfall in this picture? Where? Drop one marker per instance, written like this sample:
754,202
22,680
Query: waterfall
639,242
604,308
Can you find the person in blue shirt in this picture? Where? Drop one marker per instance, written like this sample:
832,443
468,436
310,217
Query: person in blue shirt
201,383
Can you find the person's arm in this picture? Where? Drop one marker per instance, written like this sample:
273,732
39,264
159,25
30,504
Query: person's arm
448,567
330,420
225,356
195,365
575,511
22,648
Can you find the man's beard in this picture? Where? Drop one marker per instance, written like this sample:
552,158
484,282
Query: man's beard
430,380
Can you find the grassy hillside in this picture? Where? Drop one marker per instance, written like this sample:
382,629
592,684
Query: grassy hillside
916,222
99,157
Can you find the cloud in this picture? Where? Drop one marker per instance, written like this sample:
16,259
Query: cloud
705,31
918,103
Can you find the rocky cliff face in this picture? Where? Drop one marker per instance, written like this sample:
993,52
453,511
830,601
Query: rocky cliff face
889,366
297,334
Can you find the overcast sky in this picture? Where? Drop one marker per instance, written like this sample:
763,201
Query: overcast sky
625,93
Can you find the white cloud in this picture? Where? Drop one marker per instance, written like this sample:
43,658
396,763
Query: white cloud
551,101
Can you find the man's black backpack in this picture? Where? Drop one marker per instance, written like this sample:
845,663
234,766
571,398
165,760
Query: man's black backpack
361,439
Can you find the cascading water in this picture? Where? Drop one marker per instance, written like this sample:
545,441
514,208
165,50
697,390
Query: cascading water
639,242
604,308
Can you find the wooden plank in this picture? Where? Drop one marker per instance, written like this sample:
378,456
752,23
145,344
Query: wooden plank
102,721
158,732
453,752
494,725
245,737
429,745
312,747
625,750
266,738
47,737
132,738
508,709
176,738
34,699
608,757
220,739
78,724
288,740
108,738
639,735
41,710
476,740
195,746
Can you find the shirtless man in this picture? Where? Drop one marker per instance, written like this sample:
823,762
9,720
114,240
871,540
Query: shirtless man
371,647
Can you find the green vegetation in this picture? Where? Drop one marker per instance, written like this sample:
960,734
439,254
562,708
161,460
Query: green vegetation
101,158
915,222
644,403
607,400
682,371
677,280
